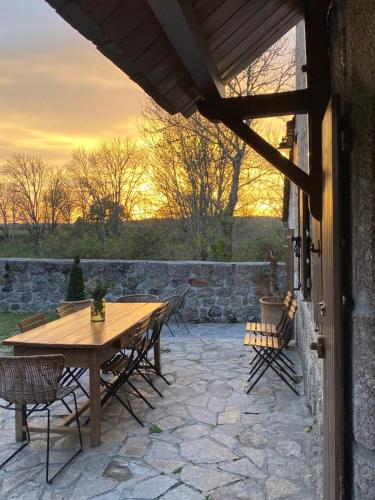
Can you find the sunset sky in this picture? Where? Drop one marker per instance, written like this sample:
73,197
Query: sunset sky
57,92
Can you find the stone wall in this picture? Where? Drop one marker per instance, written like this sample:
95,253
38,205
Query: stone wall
353,71
352,34
232,293
311,365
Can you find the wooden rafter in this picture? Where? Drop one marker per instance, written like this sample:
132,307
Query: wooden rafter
318,81
178,21
232,111
257,106
312,101
270,153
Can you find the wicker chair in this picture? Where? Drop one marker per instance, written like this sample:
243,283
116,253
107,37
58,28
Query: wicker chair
35,380
70,374
138,297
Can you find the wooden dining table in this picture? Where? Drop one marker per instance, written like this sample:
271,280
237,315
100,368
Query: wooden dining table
85,344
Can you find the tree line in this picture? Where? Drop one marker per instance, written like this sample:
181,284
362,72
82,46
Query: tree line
191,170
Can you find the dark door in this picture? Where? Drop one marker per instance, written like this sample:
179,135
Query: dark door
331,305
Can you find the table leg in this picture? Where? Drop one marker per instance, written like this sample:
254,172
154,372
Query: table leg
95,407
157,357
20,422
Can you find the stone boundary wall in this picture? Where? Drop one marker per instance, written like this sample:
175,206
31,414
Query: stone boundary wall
232,293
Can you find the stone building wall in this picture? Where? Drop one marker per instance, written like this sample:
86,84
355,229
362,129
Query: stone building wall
351,25
232,293
352,29
312,366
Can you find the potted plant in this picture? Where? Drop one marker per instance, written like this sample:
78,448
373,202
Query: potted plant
271,306
76,286
97,290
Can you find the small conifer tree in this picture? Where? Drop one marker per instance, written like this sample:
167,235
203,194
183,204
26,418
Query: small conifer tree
76,286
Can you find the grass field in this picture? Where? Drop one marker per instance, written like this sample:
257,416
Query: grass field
9,326
151,240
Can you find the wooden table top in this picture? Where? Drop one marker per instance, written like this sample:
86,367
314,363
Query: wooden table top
78,331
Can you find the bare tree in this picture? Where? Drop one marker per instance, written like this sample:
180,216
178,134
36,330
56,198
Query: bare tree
8,211
202,169
106,180
58,198
27,176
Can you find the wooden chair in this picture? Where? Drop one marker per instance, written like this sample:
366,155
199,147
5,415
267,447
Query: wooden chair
182,291
270,328
35,380
123,365
72,307
145,366
138,297
32,322
269,350
172,299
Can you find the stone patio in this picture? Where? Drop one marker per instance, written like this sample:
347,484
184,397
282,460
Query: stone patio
206,439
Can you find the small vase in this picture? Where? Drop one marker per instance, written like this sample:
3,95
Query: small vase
98,310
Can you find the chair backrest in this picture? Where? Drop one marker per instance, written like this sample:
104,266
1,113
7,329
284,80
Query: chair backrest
72,307
182,290
286,333
287,303
139,341
30,379
156,323
172,302
166,295
138,297
32,322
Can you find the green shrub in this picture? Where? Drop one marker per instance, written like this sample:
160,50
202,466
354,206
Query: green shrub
76,286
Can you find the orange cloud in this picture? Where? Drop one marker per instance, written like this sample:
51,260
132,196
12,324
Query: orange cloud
58,92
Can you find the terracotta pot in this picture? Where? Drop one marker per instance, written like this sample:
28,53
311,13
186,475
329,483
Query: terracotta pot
271,309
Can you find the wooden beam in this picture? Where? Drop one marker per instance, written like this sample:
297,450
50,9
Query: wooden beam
271,154
256,106
318,80
179,22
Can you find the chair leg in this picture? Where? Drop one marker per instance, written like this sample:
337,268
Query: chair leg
129,409
112,391
175,317
287,358
169,328
186,328
19,447
139,394
75,376
50,479
269,360
158,374
149,381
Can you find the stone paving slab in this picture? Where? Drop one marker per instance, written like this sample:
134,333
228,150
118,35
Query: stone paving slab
206,439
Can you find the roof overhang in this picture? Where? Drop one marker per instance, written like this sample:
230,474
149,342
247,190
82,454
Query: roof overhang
180,51
183,52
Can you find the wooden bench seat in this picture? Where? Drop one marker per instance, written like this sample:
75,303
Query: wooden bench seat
259,340
261,328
